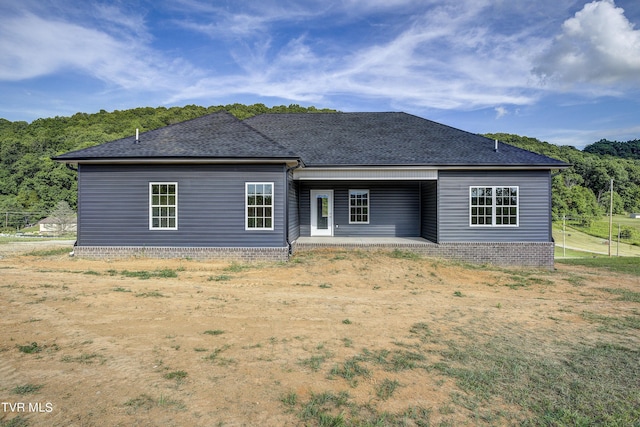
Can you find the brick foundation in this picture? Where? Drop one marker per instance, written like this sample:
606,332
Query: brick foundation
526,254
501,254
242,254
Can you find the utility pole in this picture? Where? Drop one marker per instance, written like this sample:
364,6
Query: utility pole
564,236
610,216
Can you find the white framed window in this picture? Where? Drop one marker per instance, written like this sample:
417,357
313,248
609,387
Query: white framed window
494,206
259,205
358,206
163,206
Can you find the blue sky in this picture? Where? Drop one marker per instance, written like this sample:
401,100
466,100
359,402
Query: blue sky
563,71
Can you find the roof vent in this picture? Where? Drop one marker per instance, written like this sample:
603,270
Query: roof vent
495,147
137,141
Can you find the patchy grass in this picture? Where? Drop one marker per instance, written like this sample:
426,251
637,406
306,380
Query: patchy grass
393,343
18,421
146,403
26,389
220,278
329,408
30,348
150,294
350,370
626,265
235,267
399,253
165,273
386,388
615,322
314,362
214,356
49,252
588,385
176,375
395,360
84,358
624,294
526,280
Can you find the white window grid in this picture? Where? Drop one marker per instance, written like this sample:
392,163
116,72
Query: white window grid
494,206
359,206
163,205
259,200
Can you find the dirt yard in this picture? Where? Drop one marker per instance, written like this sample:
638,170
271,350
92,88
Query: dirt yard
144,342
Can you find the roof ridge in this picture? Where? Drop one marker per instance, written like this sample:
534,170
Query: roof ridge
267,136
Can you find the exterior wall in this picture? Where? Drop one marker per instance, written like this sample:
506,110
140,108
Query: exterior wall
429,210
534,206
294,217
393,206
114,206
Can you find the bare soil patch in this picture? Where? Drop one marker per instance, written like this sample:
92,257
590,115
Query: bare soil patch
178,342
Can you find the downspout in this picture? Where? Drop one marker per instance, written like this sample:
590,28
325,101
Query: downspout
286,205
420,209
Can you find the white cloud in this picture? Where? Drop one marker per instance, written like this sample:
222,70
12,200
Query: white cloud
443,58
597,46
408,55
580,138
500,112
31,46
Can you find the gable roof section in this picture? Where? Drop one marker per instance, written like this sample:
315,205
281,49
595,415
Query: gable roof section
214,136
388,139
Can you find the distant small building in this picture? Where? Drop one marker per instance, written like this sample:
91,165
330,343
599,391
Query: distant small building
51,225
635,215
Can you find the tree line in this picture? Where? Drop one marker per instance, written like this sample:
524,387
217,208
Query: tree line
626,150
32,185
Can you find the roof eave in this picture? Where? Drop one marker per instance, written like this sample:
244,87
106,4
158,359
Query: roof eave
289,161
446,166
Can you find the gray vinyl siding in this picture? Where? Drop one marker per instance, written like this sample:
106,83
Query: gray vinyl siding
429,210
114,205
394,208
294,219
534,206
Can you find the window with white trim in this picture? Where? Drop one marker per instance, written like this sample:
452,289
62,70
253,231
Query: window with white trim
163,205
493,206
358,206
259,205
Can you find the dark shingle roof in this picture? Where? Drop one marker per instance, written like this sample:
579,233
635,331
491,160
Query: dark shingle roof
217,135
389,139
326,139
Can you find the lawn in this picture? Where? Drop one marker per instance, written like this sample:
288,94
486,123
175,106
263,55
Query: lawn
331,338
580,244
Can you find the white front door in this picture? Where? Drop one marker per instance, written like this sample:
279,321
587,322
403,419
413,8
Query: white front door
322,212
